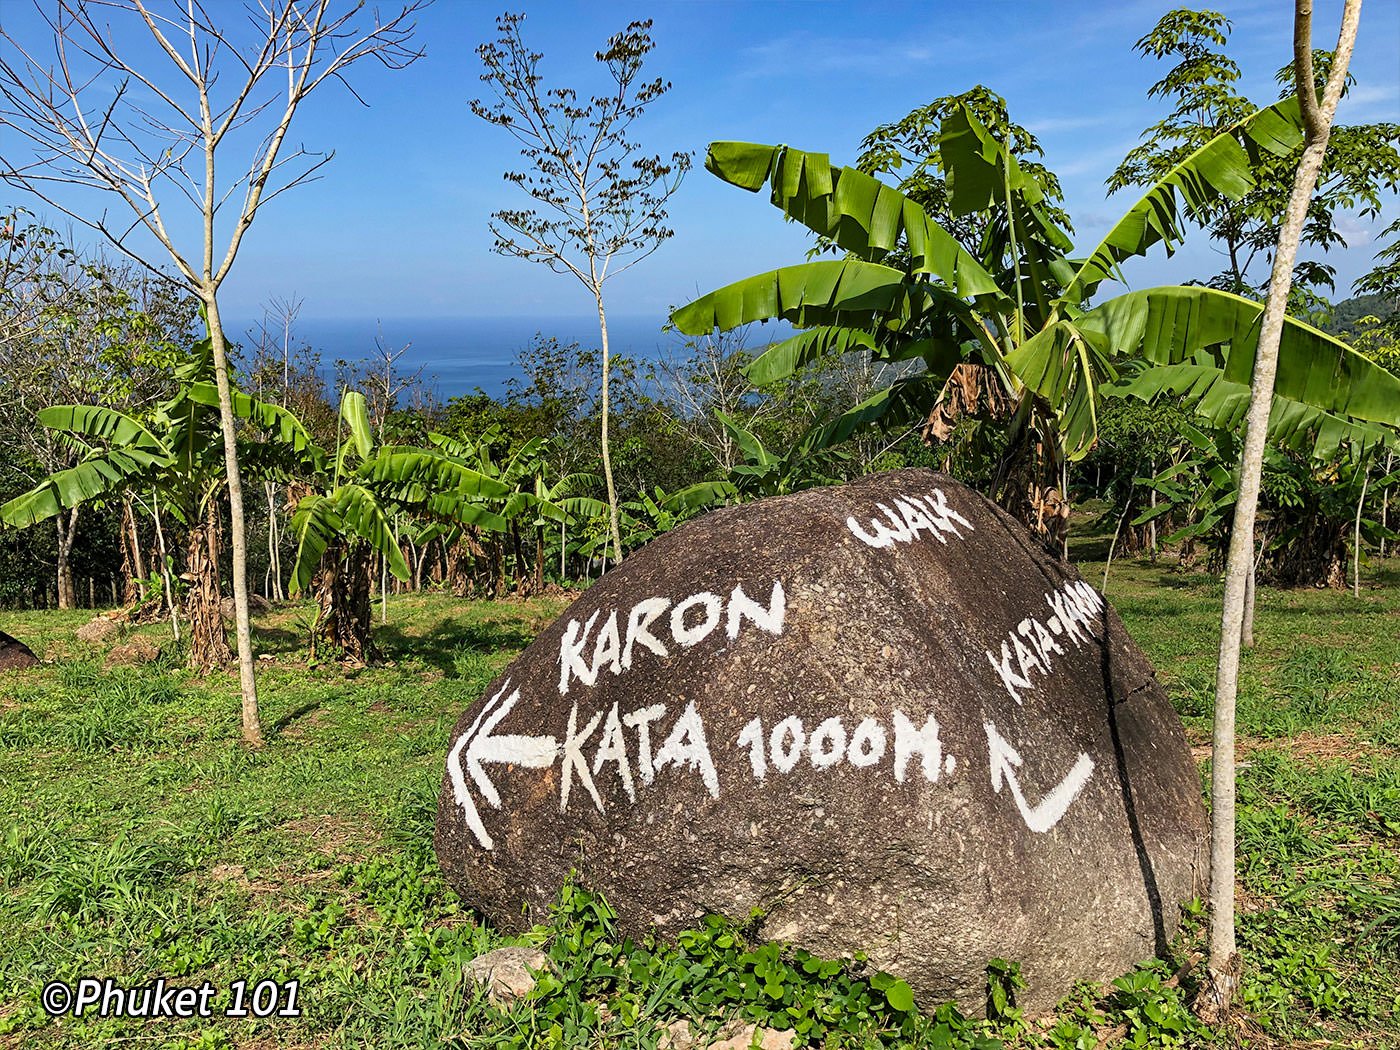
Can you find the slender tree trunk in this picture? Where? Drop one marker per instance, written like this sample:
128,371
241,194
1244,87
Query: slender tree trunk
274,545
67,526
1356,538
1222,981
539,559
238,539
613,522
170,603
1114,543
1152,525
1385,500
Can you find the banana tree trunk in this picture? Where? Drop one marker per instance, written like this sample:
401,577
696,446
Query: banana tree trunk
168,585
345,610
204,617
1356,540
1030,481
518,557
539,560
133,566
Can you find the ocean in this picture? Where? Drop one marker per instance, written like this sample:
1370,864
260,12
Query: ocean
460,354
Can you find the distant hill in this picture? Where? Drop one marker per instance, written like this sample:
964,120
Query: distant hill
1346,313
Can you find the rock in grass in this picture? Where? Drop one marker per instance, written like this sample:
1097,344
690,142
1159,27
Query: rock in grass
256,604
736,1035
134,651
508,973
15,655
878,716
98,631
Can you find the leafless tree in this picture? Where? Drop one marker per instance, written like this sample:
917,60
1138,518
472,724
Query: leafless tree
385,380
708,378
1223,978
605,201
99,115
273,353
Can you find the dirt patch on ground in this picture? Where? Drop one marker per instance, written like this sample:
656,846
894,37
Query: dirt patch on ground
332,836
270,1043
1314,748
1328,747
237,875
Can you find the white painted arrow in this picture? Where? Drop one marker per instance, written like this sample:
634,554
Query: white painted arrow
1004,760
477,746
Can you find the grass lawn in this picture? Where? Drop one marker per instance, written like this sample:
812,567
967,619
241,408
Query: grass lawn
139,840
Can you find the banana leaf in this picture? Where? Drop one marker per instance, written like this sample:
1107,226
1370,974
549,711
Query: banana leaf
855,210
1168,326
1223,167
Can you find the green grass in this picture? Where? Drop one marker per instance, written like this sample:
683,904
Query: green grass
139,839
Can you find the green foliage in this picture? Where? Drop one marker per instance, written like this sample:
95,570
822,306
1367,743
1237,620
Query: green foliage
907,289
715,972
177,452
909,150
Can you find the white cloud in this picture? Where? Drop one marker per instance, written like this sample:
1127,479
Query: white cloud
870,56
1053,125
1354,232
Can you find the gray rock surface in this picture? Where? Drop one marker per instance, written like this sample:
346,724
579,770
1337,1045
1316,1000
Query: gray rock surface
98,631
507,973
878,713
735,1035
15,655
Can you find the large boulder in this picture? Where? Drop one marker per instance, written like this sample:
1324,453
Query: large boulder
98,631
879,715
15,655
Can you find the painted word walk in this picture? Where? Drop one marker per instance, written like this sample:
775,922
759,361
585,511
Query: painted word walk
634,746
910,516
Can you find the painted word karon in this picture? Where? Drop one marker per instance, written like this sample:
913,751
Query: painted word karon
618,641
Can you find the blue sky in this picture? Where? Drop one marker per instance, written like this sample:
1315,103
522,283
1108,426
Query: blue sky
397,226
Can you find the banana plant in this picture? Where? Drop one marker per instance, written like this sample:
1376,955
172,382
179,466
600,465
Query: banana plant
533,501
814,458
348,518
177,455
655,513
1018,309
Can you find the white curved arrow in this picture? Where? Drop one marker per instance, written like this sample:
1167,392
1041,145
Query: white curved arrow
1004,760
534,752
